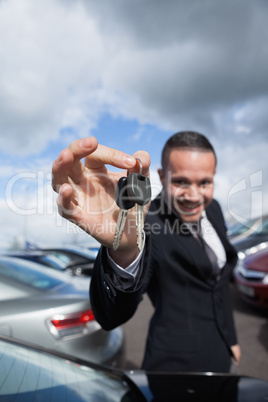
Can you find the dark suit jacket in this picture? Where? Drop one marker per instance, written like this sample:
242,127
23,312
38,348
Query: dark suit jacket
192,328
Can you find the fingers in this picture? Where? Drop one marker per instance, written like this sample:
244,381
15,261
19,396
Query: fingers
69,165
60,169
145,159
66,207
109,156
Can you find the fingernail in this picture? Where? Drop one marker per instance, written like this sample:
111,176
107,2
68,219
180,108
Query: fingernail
129,160
86,143
60,157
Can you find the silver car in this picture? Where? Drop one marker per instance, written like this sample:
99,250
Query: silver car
53,309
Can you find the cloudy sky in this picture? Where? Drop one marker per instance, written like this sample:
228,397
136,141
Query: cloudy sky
130,73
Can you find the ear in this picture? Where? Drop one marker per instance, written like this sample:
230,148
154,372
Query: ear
161,175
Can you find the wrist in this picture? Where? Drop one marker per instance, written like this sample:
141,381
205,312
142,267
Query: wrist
124,257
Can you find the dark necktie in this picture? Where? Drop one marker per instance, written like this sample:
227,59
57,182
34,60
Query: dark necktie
215,272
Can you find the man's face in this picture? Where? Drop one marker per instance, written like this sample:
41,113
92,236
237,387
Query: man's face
188,182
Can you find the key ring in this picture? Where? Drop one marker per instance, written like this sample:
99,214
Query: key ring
140,162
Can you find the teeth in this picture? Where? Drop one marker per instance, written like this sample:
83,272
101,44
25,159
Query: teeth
191,206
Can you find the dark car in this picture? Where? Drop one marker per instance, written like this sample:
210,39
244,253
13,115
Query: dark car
79,259
44,258
53,309
30,373
251,278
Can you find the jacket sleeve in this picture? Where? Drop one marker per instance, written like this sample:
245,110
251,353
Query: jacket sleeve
111,304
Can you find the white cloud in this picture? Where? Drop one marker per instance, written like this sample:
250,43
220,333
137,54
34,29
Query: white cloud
173,65
63,66
51,56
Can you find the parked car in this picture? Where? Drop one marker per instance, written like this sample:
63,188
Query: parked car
251,278
238,230
52,309
29,373
41,257
250,245
80,259
252,240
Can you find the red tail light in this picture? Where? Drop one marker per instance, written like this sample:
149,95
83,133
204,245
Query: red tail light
72,320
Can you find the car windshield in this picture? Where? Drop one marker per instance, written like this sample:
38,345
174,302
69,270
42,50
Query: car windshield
28,273
239,228
90,254
263,228
69,256
30,375
54,262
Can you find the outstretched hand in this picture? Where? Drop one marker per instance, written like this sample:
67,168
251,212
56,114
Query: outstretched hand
87,190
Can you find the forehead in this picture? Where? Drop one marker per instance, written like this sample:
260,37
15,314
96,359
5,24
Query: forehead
184,161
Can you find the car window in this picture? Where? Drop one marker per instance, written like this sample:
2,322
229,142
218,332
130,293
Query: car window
239,228
89,254
34,375
263,228
23,272
64,258
54,261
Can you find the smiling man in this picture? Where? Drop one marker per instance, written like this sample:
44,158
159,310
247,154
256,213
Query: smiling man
185,264
188,169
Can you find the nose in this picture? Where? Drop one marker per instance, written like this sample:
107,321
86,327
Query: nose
193,193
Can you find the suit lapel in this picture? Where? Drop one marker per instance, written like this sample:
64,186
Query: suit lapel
219,230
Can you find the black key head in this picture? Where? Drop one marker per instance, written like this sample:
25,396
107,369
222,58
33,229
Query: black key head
121,194
139,188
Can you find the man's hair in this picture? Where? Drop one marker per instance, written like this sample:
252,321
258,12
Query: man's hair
186,140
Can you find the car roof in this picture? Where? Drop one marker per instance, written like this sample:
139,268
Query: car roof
79,251
33,274
17,253
29,273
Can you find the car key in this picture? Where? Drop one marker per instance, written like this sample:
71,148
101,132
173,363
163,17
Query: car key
124,203
139,191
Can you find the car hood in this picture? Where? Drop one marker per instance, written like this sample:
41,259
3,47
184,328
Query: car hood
257,262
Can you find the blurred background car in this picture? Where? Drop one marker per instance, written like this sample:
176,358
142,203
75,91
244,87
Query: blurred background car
53,309
250,244
238,231
251,278
29,373
79,259
43,258
250,238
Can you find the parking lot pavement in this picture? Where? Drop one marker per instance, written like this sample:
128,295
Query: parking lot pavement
252,329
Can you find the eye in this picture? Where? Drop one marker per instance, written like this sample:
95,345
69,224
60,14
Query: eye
206,183
180,183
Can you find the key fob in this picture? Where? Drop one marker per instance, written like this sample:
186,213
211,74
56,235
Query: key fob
139,188
121,194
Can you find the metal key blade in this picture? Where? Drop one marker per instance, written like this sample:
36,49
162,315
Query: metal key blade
124,204
139,224
121,221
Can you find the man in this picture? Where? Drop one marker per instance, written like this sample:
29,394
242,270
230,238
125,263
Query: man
184,269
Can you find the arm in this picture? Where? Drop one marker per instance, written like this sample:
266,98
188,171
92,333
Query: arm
112,305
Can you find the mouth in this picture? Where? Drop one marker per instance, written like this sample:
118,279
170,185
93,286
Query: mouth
189,209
